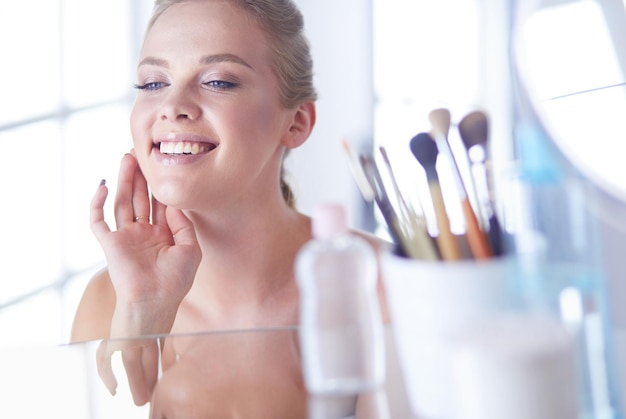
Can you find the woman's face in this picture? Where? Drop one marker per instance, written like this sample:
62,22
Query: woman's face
207,123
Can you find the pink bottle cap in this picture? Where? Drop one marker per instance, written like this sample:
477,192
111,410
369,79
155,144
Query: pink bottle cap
329,220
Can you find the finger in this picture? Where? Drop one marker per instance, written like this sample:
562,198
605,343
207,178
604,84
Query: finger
150,360
155,409
141,200
158,212
124,212
103,363
96,212
132,359
181,227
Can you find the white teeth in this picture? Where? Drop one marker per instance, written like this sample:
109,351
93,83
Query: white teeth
171,147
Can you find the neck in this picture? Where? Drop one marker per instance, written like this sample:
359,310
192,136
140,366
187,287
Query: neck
248,255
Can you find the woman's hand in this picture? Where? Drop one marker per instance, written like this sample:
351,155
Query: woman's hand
152,258
151,264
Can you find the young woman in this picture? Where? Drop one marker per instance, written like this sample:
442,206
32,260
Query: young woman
207,231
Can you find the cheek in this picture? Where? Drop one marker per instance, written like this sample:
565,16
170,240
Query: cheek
264,121
267,113
140,128
137,123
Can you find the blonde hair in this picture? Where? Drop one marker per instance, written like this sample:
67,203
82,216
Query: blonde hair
291,60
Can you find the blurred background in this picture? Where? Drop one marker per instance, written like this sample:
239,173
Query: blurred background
380,67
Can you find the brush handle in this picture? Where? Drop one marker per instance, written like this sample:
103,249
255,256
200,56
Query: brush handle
393,225
482,182
496,235
475,237
446,241
417,242
384,205
357,173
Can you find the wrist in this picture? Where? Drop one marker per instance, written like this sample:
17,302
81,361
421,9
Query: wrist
144,318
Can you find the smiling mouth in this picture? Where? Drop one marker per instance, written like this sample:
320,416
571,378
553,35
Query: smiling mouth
178,148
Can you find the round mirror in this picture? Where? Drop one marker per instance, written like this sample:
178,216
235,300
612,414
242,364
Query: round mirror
571,57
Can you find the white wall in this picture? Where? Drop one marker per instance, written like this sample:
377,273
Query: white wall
340,36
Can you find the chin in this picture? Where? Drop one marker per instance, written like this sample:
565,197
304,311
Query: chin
183,198
172,196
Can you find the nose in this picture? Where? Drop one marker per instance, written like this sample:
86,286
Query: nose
180,104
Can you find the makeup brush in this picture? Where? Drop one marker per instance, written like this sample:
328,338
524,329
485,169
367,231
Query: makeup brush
474,131
419,244
357,172
479,246
425,151
384,204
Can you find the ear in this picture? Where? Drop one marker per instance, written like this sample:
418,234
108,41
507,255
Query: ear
301,125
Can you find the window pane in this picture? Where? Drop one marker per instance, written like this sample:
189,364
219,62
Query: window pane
434,58
95,143
98,51
36,320
434,65
31,208
30,58
59,56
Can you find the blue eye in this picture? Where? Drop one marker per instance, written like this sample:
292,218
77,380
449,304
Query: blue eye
150,86
220,84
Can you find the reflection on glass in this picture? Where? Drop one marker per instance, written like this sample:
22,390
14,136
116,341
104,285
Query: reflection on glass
254,373
230,374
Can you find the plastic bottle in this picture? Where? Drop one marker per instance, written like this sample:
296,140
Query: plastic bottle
341,332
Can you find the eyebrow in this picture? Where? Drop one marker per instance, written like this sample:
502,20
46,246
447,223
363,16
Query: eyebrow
206,59
219,58
153,61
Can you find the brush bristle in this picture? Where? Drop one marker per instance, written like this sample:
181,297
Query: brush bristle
440,121
357,172
474,129
425,150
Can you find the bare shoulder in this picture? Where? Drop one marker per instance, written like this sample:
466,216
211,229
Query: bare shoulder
380,245
95,310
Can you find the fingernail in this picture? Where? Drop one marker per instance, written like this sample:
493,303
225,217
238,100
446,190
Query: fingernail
103,182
